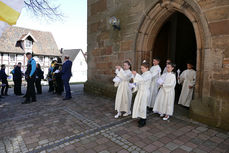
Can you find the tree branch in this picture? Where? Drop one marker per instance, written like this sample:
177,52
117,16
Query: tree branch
44,8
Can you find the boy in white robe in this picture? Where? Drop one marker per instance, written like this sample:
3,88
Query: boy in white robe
164,103
124,93
156,72
140,103
188,80
165,69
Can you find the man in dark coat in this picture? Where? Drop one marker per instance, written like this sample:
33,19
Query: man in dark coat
5,84
39,77
66,75
30,75
17,78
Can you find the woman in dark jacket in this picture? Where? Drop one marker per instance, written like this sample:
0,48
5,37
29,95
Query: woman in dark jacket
3,77
39,77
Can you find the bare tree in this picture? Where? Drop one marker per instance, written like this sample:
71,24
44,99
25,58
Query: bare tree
44,8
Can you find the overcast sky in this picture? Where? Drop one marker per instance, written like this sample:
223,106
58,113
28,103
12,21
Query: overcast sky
69,33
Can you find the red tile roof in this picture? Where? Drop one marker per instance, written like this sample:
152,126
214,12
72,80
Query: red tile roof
44,45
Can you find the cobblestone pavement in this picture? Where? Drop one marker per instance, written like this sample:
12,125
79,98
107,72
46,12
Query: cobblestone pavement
86,124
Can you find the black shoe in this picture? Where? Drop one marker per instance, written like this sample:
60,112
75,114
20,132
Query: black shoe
149,110
66,98
26,102
141,123
34,100
6,95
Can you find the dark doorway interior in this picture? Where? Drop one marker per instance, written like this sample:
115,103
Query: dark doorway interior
176,41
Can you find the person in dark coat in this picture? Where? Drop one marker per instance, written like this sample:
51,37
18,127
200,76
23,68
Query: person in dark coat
12,72
30,75
57,79
17,78
50,75
66,75
5,84
39,77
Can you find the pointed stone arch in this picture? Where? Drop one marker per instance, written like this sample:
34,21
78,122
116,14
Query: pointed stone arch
154,19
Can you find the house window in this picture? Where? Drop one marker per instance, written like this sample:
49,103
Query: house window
5,57
12,57
81,63
20,57
28,44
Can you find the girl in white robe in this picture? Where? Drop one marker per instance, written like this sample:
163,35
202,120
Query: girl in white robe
164,103
156,71
188,80
140,103
124,93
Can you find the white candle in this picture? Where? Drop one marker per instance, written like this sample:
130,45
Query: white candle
178,72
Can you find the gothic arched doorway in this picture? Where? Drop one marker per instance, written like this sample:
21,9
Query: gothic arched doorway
152,24
176,40
155,28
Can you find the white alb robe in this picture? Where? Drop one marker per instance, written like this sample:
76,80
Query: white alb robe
140,103
164,103
187,78
124,94
156,71
165,70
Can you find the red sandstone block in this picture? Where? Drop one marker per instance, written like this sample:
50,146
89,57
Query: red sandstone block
96,52
99,6
94,27
126,45
106,51
219,28
226,61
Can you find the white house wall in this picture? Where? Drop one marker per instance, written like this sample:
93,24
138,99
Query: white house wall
79,69
10,62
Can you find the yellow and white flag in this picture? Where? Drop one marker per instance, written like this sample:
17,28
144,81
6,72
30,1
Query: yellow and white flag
9,13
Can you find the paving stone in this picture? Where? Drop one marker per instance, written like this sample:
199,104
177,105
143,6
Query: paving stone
164,150
202,129
158,144
196,150
105,151
197,141
222,135
150,148
186,148
171,146
179,150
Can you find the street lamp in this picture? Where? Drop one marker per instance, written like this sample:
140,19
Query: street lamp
115,23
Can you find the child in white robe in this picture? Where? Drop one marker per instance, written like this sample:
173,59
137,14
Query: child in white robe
140,103
188,80
156,72
164,103
124,93
165,69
